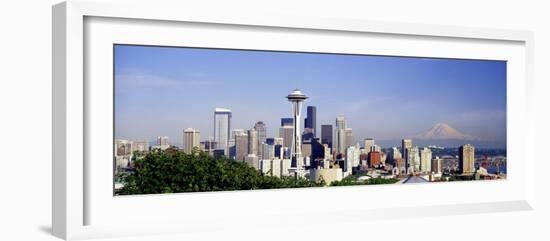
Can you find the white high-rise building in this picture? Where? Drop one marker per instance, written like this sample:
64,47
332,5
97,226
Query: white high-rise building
124,147
286,167
327,152
268,151
191,139
266,167
253,141
394,155
426,160
466,159
123,153
369,142
278,141
162,143
276,165
340,122
140,145
437,165
350,141
253,161
352,159
340,135
383,156
261,134
413,160
222,128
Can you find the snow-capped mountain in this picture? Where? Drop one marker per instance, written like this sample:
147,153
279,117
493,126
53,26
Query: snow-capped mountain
442,131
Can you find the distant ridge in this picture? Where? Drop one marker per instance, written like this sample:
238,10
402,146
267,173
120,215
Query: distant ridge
443,131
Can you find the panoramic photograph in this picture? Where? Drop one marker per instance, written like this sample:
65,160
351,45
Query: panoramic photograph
202,119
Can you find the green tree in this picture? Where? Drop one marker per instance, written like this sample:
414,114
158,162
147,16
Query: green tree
174,171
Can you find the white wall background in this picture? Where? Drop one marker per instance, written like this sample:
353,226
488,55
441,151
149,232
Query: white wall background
25,122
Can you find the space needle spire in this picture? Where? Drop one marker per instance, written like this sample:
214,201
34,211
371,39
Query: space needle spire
296,97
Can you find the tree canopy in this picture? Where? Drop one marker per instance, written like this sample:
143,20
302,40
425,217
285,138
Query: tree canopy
174,171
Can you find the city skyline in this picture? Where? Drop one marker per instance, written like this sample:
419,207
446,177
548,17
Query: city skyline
152,94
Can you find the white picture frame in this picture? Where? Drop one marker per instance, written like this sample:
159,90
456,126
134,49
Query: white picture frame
75,199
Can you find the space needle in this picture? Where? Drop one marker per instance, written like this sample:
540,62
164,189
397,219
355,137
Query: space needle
296,97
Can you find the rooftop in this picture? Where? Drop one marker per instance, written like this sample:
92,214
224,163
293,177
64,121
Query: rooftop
223,110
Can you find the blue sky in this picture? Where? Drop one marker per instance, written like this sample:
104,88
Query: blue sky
163,90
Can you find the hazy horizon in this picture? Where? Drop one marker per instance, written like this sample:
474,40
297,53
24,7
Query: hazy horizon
160,91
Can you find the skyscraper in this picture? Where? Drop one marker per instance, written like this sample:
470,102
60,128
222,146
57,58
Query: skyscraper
308,135
286,134
162,142
252,160
123,154
270,141
374,159
287,122
252,141
209,146
311,119
279,151
262,135
123,147
350,141
268,151
406,144
340,122
466,159
326,135
393,156
327,153
437,165
351,160
296,97
234,132
426,160
191,139
241,146
306,149
317,149
278,141
231,144
413,159
369,143
140,145
222,127
340,135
